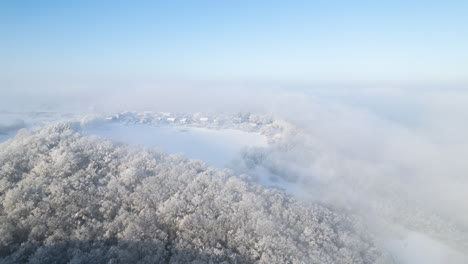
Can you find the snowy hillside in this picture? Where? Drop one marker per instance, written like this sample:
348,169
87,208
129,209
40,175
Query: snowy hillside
81,199
160,187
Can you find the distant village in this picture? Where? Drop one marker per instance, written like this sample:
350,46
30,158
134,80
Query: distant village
244,121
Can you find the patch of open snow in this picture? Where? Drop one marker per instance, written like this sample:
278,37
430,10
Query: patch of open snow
215,147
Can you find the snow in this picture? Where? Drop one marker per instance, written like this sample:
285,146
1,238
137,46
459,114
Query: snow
220,148
215,147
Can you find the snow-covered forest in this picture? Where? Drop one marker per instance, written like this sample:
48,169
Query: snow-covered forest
79,191
270,132
69,198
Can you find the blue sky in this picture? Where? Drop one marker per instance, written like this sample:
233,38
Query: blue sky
342,41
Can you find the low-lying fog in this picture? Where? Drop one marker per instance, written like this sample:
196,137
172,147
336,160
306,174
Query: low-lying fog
394,156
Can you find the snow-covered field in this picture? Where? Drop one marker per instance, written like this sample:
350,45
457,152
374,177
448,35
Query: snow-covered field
215,147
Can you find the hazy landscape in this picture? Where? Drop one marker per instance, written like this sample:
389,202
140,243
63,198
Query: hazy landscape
236,132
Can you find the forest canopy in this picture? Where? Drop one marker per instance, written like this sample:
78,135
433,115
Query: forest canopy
70,198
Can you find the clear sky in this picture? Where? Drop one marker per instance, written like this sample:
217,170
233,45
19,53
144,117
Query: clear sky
398,40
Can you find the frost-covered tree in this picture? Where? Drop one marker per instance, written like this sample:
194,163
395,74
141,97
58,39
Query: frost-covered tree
68,198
